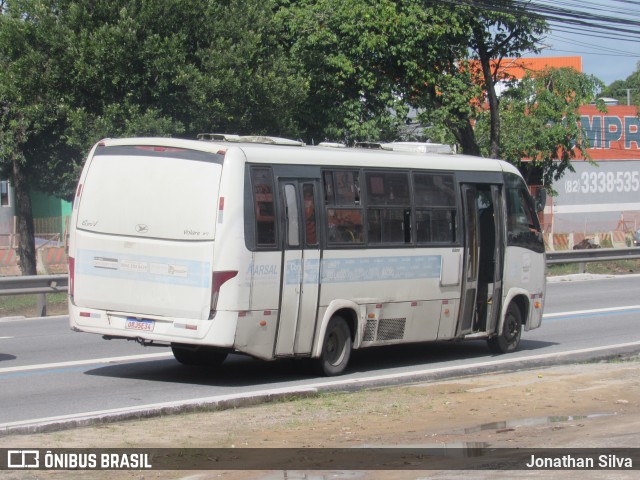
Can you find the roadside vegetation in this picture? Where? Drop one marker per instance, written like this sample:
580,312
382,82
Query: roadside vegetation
26,305
619,267
339,70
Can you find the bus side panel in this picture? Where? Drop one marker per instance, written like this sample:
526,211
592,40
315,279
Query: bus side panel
525,271
402,289
257,328
143,276
393,322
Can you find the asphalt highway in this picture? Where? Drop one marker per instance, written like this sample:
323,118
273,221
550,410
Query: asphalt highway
49,374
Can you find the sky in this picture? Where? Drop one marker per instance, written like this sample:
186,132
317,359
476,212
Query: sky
609,51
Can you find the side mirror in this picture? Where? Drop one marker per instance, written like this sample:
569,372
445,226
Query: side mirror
541,199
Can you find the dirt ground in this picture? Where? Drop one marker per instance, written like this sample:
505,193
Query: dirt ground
590,405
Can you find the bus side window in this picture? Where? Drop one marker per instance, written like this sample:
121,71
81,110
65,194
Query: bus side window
389,202
309,214
345,225
436,208
344,211
262,183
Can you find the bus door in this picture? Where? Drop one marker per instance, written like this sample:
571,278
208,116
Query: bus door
483,257
301,266
493,225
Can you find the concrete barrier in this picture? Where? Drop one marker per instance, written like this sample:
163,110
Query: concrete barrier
577,238
618,239
561,241
52,260
49,261
9,262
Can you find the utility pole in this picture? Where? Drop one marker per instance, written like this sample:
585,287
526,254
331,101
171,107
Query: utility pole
629,95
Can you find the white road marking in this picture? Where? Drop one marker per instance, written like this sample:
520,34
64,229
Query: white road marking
586,312
91,361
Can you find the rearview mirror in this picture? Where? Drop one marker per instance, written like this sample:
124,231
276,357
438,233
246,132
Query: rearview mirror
541,199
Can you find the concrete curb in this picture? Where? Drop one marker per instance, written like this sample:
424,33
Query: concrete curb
223,402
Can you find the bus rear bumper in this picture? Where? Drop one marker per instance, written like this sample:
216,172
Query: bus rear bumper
219,332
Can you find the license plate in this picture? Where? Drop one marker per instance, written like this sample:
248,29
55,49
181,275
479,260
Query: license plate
137,324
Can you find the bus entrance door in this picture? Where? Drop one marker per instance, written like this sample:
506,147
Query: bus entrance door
471,259
483,256
301,267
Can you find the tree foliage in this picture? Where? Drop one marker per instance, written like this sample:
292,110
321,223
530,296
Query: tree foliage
367,61
345,47
541,123
496,35
626,91
73,72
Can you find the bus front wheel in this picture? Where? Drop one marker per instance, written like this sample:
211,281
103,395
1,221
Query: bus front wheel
509,339
336,348
198,356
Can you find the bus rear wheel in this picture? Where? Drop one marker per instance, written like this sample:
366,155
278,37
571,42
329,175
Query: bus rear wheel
336,348
198,356
509,339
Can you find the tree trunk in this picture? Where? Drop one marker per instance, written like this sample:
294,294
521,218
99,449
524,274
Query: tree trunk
490,90
466,138
27,244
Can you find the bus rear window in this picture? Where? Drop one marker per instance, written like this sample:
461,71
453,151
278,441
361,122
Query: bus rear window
138,192
159,151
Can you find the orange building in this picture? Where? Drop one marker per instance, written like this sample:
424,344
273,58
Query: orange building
519,67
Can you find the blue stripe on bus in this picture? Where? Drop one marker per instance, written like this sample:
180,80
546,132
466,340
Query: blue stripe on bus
365,269
173,271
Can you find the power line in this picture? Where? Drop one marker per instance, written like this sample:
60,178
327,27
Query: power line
599,49
563,13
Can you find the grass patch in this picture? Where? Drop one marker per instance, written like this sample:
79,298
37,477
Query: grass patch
618,267
26,305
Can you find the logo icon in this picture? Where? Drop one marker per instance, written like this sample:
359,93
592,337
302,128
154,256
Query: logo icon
142,228
23,459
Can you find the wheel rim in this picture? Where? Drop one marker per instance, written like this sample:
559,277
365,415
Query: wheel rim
512,328
335,348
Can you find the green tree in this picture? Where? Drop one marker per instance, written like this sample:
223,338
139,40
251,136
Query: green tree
541,125
463,87
625,91
344,47
366,61
496,35
72,72
34,102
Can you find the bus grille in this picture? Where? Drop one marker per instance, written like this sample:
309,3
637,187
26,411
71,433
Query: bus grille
387,329
370,331
391,329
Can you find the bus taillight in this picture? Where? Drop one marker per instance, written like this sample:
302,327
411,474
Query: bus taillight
76,201
219,278
220,209
72,274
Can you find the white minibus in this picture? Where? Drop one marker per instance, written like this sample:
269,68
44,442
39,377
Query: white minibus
272,248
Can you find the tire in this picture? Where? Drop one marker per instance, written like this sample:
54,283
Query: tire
198,356
509,339
336,348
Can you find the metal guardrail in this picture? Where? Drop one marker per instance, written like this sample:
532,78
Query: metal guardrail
582,257
35,284
45,284
593,255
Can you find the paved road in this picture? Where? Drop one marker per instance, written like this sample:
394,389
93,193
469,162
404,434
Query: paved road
49,372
